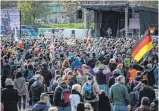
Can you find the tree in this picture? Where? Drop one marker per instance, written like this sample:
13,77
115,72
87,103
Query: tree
32,11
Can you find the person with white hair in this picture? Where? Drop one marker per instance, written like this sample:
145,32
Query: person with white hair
75,97
42,105
9,97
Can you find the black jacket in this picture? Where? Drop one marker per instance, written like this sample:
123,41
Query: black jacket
72,81
147,92
112,66
9,98
104,103
57,95
92,62
35,91
101,78
47,75
111,81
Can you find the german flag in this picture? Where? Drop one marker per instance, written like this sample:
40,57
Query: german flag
143,46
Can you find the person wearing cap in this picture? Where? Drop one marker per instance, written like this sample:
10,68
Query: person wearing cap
9,96
112,79
119,95
43,104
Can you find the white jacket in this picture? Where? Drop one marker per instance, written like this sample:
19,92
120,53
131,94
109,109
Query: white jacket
74,100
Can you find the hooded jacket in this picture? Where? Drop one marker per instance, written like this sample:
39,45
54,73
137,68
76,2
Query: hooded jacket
76,64
36,90
40,106
57,95
47,75
9,98
147,92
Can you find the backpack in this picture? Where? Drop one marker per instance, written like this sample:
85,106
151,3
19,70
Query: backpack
134,98
65,95
89,93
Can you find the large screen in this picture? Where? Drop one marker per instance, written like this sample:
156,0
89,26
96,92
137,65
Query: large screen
9,20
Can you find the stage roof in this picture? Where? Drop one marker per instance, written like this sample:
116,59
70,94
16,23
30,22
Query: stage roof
117,7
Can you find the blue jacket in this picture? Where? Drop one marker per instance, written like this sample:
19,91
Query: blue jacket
156,73
76,64
40,106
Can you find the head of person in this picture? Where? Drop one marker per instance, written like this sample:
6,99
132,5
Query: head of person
69,74
121,79
80,107
40,79
18,74
44,98
102,92
30,67
53,109
9,82
90,78
18,68
120,66
76,87
116,73
144,83
145,101
88,107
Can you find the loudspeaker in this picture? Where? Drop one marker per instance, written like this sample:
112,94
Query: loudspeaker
79,14
73,31
53,31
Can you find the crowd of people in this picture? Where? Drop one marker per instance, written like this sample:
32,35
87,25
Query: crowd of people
57,75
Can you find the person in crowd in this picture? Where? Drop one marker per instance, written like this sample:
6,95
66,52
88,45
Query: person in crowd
88,107
104,102
112,65
113,78
20,85
42,105
36,89
61,96
80,107
9,96
54,84
145,105
72,78
90,91
92,61
46,74
75,97
154,105
146,91
76,63
29,73
119,95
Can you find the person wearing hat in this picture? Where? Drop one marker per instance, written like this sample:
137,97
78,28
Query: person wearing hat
112,64
112,79
9,96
